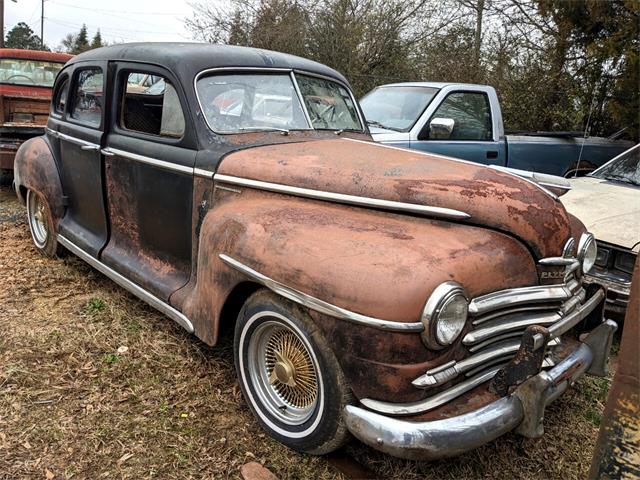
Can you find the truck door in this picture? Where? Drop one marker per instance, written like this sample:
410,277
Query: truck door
149,159
79,137
462,126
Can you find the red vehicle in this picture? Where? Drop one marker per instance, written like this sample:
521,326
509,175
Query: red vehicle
26,82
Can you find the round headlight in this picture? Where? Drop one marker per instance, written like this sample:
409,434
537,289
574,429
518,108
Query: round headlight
587,251
444,315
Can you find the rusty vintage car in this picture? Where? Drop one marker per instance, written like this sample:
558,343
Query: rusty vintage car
26,82
424,304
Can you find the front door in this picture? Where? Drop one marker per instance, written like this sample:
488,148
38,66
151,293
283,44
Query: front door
472,136
80,137
149,160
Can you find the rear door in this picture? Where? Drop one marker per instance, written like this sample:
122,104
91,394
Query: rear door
471,134
149,158
79,136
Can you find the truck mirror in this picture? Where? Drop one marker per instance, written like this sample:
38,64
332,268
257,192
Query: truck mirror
441,128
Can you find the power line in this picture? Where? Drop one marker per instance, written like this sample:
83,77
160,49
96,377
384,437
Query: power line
115,11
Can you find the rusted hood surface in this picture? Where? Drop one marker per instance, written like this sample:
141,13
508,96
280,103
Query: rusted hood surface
494,199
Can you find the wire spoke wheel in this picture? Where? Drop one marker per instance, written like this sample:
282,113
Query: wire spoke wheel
38,219
283,372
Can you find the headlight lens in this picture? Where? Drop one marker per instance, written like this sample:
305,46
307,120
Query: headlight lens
587,251
444,315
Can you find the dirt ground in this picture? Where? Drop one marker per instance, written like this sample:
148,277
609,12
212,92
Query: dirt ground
95,384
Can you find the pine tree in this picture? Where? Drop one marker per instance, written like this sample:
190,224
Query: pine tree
97,40
21,36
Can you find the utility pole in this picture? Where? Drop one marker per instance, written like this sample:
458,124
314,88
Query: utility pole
1,23
42,26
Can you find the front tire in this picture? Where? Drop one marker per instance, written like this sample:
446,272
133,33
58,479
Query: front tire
289,375
41,225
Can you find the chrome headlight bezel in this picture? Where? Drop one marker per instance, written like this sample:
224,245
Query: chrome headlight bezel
445,296
587,251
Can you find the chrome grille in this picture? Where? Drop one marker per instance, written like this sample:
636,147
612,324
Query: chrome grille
499,320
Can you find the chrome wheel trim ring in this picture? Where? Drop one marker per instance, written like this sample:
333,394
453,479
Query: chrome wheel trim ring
261,394
38,219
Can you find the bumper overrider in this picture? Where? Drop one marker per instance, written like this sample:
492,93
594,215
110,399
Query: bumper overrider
521,410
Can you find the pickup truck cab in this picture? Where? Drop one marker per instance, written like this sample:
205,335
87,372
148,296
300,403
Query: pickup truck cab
403,297
465,121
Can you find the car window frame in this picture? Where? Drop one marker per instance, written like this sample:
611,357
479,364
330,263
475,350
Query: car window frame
121,70
424,132
71,96
63,76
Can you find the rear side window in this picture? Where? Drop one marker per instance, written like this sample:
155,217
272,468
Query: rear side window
60,100
151,105
88,95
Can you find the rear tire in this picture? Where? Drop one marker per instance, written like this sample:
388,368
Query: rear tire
41,226
289,376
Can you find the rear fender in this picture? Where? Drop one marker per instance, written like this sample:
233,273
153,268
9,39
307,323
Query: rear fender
35,169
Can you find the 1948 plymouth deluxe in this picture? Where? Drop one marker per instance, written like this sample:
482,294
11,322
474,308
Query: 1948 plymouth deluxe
426,305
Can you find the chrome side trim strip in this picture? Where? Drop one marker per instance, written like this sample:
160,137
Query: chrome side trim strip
149,161
517,296
74,140
344,198
127,284
199,172
432,402
320,305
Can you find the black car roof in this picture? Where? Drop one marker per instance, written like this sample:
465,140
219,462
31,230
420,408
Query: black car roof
187,59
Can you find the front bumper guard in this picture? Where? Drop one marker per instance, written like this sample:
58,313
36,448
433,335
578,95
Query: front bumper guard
523,410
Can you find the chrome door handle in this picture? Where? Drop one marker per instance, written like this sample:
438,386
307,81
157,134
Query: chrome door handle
107,153
93,148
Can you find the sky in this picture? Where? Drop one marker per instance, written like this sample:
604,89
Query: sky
118,20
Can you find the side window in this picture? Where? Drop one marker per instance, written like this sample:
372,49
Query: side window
60,100
461,116
87,98
151,105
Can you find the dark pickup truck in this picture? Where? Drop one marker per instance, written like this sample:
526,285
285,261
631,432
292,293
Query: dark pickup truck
465,121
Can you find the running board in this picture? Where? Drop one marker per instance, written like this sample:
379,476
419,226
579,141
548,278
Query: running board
127,284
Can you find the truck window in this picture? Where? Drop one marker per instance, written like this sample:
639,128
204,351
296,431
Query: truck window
87,98
471,114
151,105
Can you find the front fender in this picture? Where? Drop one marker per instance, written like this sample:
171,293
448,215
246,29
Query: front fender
378,264
35,169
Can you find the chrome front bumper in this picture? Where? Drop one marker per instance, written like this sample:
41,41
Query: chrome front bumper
522,410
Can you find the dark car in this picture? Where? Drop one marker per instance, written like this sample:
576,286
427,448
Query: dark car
425,304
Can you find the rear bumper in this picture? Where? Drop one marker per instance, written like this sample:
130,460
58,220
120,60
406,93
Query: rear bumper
522,410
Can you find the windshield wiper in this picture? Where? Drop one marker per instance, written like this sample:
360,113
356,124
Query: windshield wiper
284,131
375,123
621,178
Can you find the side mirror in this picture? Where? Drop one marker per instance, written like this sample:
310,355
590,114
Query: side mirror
441,128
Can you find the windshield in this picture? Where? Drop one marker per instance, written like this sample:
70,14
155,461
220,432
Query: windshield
625,168
396,108
33,73
244,102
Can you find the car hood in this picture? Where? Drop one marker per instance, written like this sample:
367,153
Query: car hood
609,210
491,198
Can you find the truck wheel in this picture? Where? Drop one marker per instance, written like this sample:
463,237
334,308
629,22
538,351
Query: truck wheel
289,375
41,225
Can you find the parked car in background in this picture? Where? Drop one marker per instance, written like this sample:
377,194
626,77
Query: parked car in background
404,298
607,201
26,81
465,121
